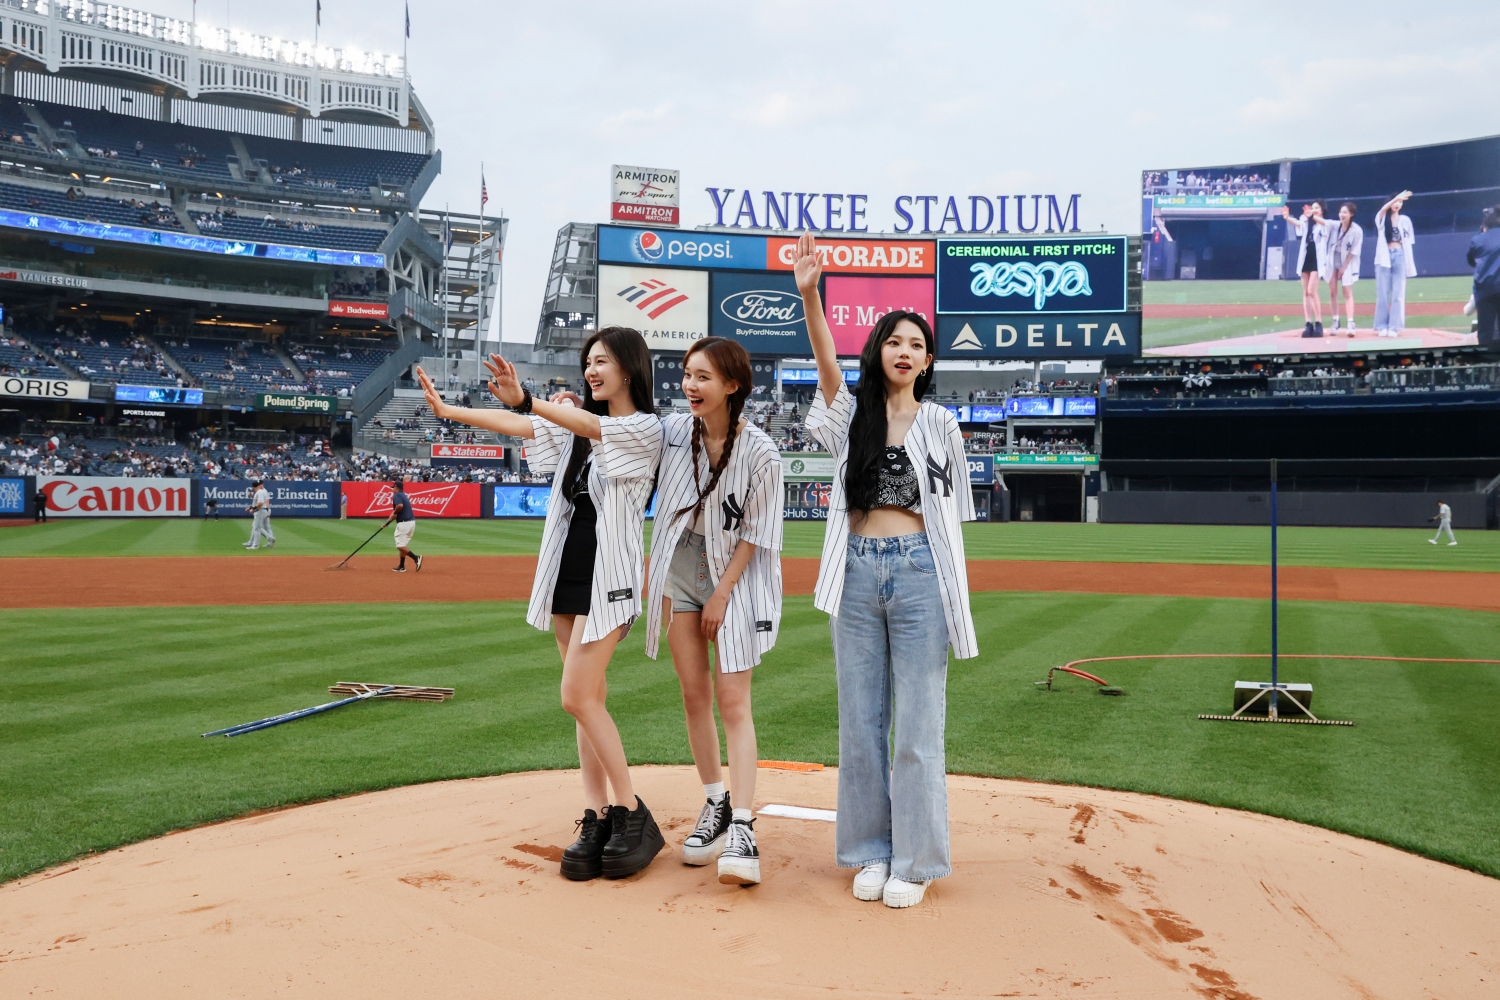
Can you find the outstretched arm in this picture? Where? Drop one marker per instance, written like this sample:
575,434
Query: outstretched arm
499,421
1398,200
808,268
505,385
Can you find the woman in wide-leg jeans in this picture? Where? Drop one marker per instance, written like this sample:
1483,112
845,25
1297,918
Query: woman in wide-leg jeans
1393,265
894,581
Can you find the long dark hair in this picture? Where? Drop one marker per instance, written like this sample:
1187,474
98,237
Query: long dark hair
1385,221
629,350
730,359
867,432
1353,214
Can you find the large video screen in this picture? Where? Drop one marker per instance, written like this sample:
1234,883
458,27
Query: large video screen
1221,259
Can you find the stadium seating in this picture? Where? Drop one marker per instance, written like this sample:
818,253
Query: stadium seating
281,231
224,364
328,371
151,215
109,352
16,358
310,164
177,147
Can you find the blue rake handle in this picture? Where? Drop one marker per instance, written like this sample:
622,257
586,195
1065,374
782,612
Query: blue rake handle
302,713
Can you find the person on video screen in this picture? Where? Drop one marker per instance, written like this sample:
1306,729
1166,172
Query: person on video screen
1345,239
1394,263
1311,232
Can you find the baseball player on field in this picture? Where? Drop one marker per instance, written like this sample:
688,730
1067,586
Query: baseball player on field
260,513
406,525
1444,518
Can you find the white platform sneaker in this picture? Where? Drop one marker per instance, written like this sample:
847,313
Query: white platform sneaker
869,884
899,893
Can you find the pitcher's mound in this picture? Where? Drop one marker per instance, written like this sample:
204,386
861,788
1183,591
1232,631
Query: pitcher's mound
452,889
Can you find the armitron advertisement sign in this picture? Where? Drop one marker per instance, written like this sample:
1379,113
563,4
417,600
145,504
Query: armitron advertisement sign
427,499
670,308
358,310
43,388
646,195
115,496
294,402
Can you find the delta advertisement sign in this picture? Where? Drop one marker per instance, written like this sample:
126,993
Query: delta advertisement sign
644,194
724,251
427,499
231,497
115,496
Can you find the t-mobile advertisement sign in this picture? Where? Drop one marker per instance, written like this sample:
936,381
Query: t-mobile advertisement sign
231,497
427,499
855,304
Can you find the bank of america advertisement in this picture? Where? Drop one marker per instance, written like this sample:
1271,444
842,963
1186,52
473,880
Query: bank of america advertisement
669,307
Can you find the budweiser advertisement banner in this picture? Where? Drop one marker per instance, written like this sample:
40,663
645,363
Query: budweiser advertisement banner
110,496
427,499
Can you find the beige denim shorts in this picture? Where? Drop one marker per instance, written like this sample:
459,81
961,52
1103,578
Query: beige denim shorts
688,584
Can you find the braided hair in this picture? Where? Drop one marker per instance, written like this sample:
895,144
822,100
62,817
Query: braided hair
730,359
629,350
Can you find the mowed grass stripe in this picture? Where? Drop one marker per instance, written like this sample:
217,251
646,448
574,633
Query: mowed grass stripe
1374,548
102,711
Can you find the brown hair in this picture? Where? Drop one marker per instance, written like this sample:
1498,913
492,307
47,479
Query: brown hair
730,359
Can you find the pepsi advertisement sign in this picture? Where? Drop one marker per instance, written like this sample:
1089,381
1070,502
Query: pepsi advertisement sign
762,311
670,248
1050,337
1032,277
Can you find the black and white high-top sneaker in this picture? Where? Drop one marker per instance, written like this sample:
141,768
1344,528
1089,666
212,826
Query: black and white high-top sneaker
707,838
739,864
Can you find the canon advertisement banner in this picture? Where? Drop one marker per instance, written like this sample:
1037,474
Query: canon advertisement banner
853,305
893,257
295,499
427,499
359,310
1054,337
670,308
468,454
115,496
43,388
620,245
644,194
762,311
1019,277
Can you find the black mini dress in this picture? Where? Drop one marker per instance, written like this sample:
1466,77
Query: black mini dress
574,589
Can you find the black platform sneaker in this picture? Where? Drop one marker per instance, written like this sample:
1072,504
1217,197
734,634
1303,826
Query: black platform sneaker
583,859
707,838
634,840
740,862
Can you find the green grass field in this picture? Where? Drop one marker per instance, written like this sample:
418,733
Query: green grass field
101,712
1283,301
1386,548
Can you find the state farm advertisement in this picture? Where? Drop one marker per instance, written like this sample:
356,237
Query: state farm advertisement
858,256
485,452
855,304
115,496
359,310
427,499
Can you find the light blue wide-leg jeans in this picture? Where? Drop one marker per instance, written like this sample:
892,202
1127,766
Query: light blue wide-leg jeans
890,647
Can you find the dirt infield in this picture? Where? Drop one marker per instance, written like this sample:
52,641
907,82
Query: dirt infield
1243,310
161,581
451,889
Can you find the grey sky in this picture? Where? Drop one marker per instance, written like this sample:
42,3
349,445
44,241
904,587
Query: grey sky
885,98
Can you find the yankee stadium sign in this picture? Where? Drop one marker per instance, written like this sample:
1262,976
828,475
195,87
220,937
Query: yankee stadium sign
910,213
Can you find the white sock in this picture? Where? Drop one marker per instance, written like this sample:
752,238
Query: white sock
715,792
743,815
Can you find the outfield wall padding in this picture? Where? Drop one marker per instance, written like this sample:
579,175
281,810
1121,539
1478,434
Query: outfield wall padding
1363,510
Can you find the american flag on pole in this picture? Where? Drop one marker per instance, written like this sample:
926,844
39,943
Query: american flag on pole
484,192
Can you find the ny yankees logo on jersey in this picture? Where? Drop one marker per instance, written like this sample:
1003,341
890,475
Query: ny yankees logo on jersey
939,474
734,513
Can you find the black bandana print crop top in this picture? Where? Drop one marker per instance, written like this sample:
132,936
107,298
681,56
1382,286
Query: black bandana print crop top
896,481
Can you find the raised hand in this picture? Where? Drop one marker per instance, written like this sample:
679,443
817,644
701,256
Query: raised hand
567,396
807,265
504,385
429,392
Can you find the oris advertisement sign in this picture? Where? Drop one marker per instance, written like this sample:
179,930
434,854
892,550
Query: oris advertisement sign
644,194
43,388
427,499
670,308
110,496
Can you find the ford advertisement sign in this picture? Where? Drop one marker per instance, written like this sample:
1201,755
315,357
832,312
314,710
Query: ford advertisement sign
1028,277
294,499
762,311
625,245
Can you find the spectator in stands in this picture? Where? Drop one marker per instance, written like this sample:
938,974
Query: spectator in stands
1484,257
1394,263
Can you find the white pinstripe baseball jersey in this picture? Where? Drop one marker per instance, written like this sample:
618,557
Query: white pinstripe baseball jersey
620,477
746,505
936,448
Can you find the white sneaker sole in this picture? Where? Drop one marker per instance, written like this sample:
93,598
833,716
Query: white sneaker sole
739,871
705,855
906,897
869,893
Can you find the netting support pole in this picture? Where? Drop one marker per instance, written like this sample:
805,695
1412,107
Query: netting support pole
1274,648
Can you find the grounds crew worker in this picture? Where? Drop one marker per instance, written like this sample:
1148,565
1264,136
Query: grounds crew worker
406,525
260,511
